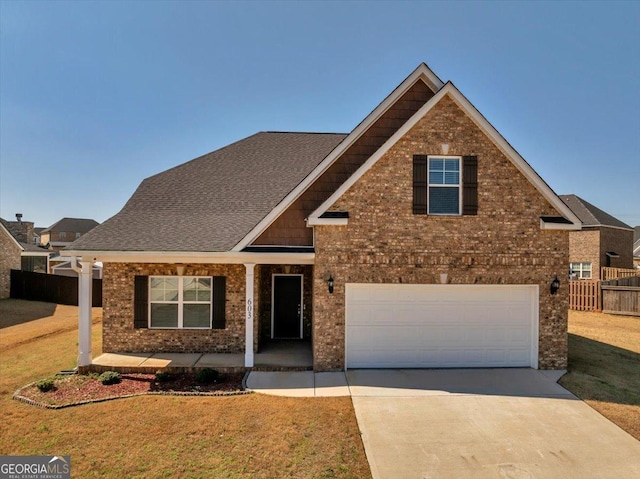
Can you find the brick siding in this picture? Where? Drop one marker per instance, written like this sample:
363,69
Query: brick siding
9,259
385,243
119,335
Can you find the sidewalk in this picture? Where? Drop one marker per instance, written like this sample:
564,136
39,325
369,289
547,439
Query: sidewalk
299,383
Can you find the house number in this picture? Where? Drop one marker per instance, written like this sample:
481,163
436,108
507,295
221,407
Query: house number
249,309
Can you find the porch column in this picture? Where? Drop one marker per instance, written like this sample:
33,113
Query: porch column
85,283
248,355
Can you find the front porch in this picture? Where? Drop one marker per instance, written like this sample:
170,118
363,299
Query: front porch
273,356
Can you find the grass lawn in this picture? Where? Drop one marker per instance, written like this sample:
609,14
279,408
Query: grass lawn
252,436
604,366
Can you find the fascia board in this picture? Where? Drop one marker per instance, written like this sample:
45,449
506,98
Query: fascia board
423,72
327,221
229,257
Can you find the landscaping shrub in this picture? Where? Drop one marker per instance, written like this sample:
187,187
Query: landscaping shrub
163,376
207,376
45,385
109,377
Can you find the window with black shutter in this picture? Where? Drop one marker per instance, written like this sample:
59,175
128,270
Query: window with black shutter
445,185
179,302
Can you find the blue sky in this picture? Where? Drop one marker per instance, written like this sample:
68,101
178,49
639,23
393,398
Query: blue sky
97,96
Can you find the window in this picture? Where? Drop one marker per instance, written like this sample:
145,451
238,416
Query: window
63,234
180,302
444,186
580,271
78,235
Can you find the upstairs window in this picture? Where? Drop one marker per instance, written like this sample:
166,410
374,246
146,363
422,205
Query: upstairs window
580,271
180,302
63,234
444,186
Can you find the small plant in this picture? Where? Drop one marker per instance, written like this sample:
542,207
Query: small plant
109,377
207,376
163,376
45,385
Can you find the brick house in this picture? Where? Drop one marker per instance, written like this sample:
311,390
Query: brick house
17,251
10,250
65,231
420,239
603,241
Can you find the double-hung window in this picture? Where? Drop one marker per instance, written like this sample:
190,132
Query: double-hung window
444,186
580,270
181,302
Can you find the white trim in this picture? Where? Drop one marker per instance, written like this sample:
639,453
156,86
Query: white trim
26,252
249,314
327,221
180,302
423,72
557,226
230,257
486,127
458,185
273,296
13,238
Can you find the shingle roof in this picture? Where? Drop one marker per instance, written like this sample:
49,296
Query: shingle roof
76,225
210,203
591,215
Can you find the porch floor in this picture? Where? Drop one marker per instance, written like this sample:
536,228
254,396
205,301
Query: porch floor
273,356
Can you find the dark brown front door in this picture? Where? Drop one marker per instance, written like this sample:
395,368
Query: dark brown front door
287,306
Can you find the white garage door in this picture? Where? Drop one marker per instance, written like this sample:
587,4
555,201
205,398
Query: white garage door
441,326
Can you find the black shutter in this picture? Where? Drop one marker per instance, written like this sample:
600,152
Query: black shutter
470,185
141,302
219,301
419,184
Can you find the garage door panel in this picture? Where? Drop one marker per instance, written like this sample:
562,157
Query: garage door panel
441,325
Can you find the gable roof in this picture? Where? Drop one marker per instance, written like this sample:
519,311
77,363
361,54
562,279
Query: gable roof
519,162
590,215
210,203
76,225
421,73
8,233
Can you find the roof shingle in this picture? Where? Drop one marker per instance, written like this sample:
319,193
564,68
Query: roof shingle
210,203
591,215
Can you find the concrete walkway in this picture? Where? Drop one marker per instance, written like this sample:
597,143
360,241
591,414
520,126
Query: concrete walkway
482,423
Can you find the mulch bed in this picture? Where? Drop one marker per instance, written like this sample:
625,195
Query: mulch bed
76,389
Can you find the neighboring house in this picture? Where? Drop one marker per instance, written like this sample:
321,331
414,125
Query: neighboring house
636,247
61,265
603,241
10,250
64,232
33,257
420,239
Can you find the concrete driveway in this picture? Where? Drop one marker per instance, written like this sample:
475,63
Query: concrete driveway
489,423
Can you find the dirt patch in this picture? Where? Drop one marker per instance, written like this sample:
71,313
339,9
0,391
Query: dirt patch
81,389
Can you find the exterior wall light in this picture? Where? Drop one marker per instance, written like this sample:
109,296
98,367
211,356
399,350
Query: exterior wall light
555,285
330,284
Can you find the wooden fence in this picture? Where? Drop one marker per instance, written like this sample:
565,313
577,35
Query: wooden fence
621,296
584,295
50,288
615,273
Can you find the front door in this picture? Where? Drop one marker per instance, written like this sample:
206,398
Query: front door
286,317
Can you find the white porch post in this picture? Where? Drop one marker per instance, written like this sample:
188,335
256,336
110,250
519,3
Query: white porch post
85,283
248,355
